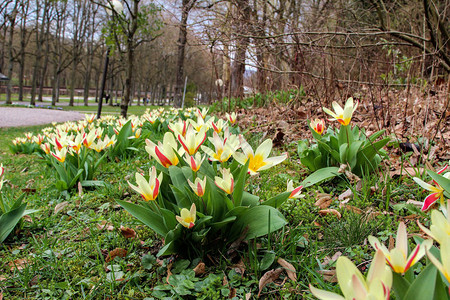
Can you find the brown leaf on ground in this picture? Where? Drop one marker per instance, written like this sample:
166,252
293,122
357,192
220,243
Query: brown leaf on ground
328,275
105,225
351,208
2,278
80,189
28,219
169,272
1,295
323,200
391,243
60,206
120,252
18,264
408,171
324,212
289,268
346,196
200,269
127,233
268,277
240,267
248,296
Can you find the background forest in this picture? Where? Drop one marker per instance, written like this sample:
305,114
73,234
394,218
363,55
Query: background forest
327,48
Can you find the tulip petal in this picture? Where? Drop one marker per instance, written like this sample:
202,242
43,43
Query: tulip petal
325,295
429,200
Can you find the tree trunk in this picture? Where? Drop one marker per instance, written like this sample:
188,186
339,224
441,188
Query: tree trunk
12,22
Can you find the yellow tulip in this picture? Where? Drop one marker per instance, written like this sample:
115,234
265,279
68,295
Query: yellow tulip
342,115
187,217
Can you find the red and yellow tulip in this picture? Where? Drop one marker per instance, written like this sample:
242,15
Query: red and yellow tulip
187,217
259,160
398,258
342,115
318,125
192,141
164,152
198,186
149,190
436,189
226,182
194,161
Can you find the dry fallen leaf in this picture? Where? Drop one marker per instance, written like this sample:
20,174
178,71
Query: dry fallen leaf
323,200
127,233
18,264
346,196
169,272
105,225
328,275
324,212
268,277
60,206
120,252
200,269
80,189
289,268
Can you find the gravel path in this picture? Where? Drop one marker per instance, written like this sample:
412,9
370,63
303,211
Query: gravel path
19,116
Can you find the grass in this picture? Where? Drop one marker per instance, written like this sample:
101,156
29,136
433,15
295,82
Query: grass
65,253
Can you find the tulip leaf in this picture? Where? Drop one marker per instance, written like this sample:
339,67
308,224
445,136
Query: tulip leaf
240,183
148,217
181,197
426,278
277,200
256,219
168,249
9,220
320,175
442,181
400,285
90,183
220,224
441,291
169,218
249,199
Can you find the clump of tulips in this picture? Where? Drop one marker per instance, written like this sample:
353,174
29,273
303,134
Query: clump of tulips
393,269
194,196
344,145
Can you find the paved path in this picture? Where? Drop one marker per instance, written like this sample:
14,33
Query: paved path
19,116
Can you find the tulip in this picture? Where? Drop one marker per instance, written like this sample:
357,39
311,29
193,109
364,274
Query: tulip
192,141
148,189
77,143
295,193
164,152
444,265
376,286
231,117
440,225
89,117
46,148
318,125
218,126
343,116
60,155
178,128
194,161
89,138
225,183
198,186
38,139
398,257
187,217
437,191
2,171
199,125
259,160
223,148
202,113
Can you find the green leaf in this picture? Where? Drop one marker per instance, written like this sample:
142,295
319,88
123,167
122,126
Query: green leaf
240,183
343,153
277,200
220,224
320,175
424,284
92,183
256,219
400,285
441,180
249,199
267,260
167,249
9,220
146,216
